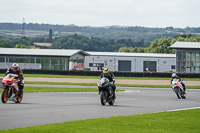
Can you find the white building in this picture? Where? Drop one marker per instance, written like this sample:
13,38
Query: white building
43,59
131,62
66,59
187,56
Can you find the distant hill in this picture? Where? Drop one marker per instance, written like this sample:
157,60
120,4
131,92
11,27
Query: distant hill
135,33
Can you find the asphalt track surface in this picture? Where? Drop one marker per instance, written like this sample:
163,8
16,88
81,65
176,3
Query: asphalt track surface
58,107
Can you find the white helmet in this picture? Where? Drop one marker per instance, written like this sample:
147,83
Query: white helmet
15,66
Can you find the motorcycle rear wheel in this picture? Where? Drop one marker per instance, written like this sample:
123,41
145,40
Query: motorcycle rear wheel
4,96
112,102
183,95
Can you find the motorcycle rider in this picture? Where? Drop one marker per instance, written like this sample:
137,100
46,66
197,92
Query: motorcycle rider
110,76
16,70
174,75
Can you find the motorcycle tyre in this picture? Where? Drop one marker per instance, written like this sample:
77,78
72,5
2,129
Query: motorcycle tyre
4,96
19,96
103,98
112,102
183,96
177,93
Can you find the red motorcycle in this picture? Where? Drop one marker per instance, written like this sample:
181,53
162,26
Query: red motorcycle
10,87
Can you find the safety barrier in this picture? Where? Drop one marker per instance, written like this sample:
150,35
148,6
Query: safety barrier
117,74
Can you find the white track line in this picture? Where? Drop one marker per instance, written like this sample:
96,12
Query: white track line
184,109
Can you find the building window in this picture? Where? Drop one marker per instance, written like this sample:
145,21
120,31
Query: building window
188,61
90,64
173,67
149,66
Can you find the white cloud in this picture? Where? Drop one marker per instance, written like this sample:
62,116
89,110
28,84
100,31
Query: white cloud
151,13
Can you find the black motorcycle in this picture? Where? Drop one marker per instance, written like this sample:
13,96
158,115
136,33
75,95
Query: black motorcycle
106,92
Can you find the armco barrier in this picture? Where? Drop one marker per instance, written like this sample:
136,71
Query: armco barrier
117,74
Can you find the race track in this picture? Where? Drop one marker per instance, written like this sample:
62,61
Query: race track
44,108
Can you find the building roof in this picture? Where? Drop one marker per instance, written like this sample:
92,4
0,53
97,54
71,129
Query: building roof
71,52
41,52
186,45
131,54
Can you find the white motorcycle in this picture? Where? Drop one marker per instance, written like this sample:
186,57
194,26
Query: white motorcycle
178,88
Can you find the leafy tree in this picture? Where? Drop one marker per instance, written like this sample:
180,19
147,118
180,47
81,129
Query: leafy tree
21,46
25,46
5,45
132,49
163,44
153,48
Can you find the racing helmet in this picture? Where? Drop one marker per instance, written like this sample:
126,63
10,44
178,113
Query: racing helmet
174,75
106,70
15,66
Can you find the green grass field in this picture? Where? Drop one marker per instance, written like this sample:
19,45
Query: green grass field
186,121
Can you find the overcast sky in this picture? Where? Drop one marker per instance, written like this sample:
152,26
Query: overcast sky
147,13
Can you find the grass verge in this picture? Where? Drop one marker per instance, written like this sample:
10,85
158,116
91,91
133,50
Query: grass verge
57,89
94,84
60,83
186,121
154,86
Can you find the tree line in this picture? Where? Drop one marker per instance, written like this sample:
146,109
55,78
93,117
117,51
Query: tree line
93,43
85,43
74,41
161,45
135,33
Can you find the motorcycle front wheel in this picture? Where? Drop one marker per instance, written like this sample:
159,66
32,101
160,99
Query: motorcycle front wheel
4,96
103,97
19,96
177,91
